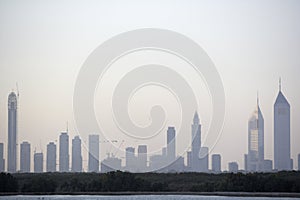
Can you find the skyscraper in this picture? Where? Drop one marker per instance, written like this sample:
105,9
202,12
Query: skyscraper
93,153
142,158
196,143
25,157
38,162
12,133
282,146
64,152
216,163
130,162
51,157
171,144
204,159
255,155
298,162
2,161
76,155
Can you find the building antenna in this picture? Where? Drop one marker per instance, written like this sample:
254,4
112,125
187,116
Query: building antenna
67,127
280,84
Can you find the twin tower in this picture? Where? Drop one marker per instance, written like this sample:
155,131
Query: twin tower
254,160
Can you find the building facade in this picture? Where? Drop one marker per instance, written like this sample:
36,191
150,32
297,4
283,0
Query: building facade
171,144
196,144
233,167
255,157
93,164
25,157
282,146
12,133
64,152
2,160
216,163
38,162
51,157
130,162
76,155
142,158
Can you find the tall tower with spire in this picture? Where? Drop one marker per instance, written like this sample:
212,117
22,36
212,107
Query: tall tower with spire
196,143
255,140
282,146
12,133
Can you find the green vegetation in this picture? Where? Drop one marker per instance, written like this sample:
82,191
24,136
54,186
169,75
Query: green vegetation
149,182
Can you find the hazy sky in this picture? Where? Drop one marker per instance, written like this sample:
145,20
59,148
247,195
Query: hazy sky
43,45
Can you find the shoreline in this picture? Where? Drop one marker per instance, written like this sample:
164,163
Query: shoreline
229,194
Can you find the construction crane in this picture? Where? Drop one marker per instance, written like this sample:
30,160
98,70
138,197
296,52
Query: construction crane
117,151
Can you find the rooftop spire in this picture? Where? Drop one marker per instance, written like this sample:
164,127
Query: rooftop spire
279,84
196,118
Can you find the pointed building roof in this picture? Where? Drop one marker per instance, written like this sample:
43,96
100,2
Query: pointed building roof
196,118
281,99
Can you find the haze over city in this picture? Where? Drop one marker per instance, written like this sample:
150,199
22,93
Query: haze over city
252,45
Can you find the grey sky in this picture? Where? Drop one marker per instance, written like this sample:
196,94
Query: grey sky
252,43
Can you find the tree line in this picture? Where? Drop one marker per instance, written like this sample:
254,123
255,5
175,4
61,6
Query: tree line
149,182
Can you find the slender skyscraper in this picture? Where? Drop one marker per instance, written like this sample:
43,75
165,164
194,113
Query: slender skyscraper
12,133
204,154
51,157
25,157
93,153
76,155
130,159
216,163
38,162
142,158
255,157
196,143
2,161
64,152
282,146
171,144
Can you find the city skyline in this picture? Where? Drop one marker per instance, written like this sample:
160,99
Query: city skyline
197,160
251,45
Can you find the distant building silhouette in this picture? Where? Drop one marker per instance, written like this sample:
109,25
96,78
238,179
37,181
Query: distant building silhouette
130,159
268,166
38,162
76,155
196,144
51,157
233,167
282,146
64,152
216,163
171,144
204,155
111,163
2,161
25,157
12,133
189,161
93,153
255,157
298,162
142,158
157,162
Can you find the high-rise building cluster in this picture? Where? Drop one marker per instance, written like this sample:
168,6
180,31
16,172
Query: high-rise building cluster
137,158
